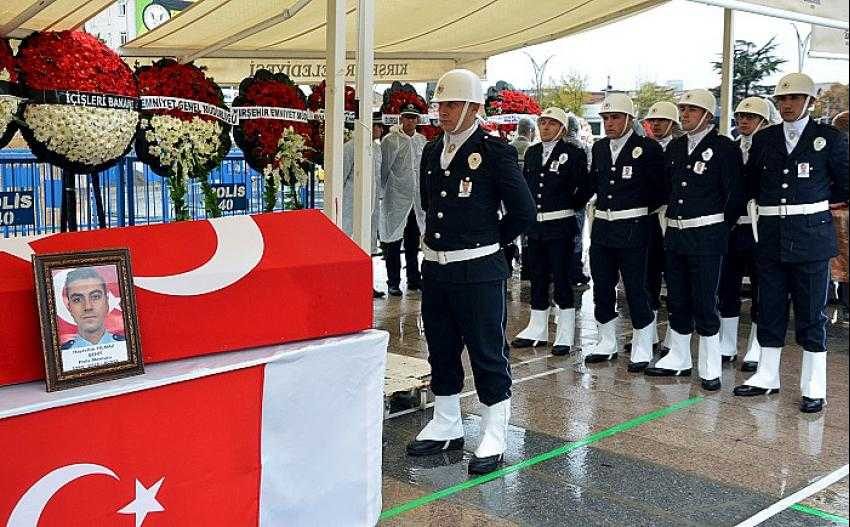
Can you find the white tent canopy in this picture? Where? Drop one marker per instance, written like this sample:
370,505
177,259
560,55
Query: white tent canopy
411,43
18,18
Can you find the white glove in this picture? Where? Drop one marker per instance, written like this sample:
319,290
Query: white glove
753,212
590,211
662,218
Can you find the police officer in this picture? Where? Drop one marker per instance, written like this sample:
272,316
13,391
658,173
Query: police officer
796,169
577,276
706,197
402,217
751,115
556,171
466,176
663,118
626,176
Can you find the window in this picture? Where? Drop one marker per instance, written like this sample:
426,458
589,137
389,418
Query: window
123,37
122,8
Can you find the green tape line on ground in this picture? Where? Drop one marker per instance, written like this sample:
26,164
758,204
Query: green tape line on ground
811,511
546,456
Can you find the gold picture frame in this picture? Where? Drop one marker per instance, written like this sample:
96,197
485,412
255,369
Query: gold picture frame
87,314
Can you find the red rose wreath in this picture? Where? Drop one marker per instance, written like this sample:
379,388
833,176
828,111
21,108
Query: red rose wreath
316,103
509,102
81,108
274,146
184,131
9,102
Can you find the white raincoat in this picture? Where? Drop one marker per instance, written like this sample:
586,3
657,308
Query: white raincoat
348,190
401,155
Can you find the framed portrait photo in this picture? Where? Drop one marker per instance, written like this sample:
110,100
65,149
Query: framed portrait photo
87,311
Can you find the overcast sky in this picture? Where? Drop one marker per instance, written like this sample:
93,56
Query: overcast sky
677,41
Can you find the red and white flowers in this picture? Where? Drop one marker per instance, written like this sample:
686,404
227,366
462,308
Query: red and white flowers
81,134
9,103
180,144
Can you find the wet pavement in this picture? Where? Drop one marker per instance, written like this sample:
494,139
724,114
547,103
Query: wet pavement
717,461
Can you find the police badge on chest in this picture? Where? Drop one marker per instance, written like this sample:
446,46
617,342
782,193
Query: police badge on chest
465,189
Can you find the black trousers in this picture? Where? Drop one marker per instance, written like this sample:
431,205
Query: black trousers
606,266
655,263
692,282
806,283
392,253
471,315
576,264
549,260
736,265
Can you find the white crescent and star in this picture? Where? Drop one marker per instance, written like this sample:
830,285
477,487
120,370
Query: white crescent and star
30,507
239,249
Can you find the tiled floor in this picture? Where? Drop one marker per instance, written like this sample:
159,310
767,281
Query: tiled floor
716,462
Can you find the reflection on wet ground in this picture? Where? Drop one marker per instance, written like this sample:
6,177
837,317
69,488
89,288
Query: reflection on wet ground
716,462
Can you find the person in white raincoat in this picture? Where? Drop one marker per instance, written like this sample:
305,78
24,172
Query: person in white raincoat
402,218
348,153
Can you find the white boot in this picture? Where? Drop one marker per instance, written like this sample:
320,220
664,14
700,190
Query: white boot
655,338
566,328
710,362
678,360
813,375
767,375
494,429
606,347
729,336
667,342
753,347
642,345
538,327
446,423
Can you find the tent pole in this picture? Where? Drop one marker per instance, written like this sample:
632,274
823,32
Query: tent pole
363,194
334,109
728,71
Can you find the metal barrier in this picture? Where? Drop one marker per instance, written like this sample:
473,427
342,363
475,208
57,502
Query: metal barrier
132,194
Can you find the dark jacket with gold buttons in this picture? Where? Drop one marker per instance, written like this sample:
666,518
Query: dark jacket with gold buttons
560,183
634,181
777,178
462,206
719,189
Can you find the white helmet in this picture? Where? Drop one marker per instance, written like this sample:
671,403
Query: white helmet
663,110
701,99
618,103
754,105
459,85
556,114
796,84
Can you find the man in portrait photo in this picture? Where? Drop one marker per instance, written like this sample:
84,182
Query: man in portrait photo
87,298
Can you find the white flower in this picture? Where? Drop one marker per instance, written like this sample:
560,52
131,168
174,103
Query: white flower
8,108
182,145
288,158
89,136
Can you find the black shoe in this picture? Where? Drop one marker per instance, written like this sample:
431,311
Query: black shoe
746,390
485,465
561,351
729,359
811,406
414,286
664,372
711,385
527,343
749,366
377,294
637,367
394,291
595,359
428,447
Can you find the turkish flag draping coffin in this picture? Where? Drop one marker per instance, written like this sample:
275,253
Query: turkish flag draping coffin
205,287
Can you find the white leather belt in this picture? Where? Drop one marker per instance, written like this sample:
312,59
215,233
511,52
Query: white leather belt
793,210
745,220
701,221
461,255
627,214
555,215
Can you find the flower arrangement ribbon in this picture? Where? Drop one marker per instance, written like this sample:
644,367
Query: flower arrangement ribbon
87,99
157,102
